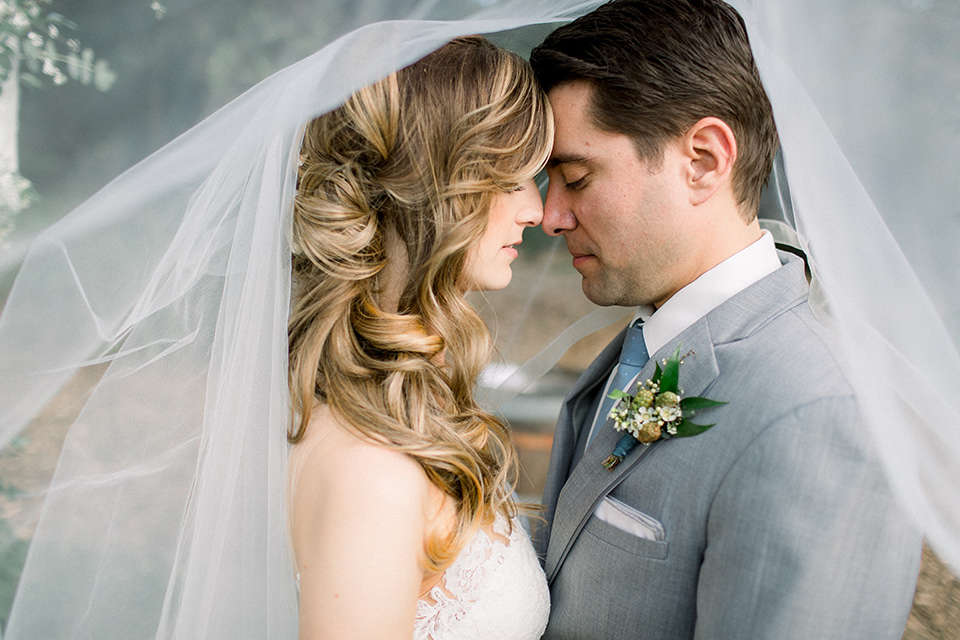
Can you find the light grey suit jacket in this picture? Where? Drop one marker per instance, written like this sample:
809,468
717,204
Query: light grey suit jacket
778,523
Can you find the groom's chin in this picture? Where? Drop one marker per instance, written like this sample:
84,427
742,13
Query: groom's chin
605,292
596,292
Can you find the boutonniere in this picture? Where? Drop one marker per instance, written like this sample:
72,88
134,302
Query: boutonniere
657,411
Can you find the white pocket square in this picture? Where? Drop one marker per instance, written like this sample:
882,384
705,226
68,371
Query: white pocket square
630,520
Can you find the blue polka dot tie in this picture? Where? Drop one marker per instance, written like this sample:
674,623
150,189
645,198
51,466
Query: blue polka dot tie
633,356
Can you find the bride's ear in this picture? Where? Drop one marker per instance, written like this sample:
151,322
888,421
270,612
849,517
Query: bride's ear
709,149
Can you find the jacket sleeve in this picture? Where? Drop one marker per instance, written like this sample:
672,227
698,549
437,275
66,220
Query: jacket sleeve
804,539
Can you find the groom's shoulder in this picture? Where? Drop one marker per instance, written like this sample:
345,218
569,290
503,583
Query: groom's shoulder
771,328
784,384
792,356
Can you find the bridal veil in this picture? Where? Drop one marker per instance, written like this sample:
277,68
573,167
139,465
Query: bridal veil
165,516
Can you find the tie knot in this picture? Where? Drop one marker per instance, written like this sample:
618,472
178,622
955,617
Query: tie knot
634,351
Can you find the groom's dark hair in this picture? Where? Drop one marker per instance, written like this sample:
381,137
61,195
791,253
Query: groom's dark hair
659,66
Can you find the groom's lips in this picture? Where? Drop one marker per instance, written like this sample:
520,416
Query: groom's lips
580,259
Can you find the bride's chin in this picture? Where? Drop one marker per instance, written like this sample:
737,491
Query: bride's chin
501,281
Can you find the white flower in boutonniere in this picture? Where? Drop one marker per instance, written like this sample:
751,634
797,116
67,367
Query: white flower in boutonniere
657,411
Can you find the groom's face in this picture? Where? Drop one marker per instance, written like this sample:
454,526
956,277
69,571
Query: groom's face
622,219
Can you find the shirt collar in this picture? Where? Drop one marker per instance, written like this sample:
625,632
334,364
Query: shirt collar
707,292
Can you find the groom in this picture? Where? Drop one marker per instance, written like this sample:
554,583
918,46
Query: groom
776,523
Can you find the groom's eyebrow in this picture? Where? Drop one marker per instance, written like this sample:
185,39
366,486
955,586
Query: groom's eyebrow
567,158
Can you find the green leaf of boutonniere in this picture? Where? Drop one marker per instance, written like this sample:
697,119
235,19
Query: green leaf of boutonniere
693,404
656,375
670,379
687,429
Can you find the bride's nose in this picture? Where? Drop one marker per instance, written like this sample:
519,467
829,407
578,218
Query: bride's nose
530,213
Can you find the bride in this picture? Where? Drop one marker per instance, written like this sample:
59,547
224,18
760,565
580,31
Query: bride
412,193
251,263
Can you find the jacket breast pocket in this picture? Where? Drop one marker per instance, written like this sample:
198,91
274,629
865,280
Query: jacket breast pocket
608,534
628,519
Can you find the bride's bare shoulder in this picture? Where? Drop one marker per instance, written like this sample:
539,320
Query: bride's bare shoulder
359,519
333,462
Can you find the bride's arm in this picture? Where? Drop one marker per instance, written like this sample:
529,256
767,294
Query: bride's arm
358,528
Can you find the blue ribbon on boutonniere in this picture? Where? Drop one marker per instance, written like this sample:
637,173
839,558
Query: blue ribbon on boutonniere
657,411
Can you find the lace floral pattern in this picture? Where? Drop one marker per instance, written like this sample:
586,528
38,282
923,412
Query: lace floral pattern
494,589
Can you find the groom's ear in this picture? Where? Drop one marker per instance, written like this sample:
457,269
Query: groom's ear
709,149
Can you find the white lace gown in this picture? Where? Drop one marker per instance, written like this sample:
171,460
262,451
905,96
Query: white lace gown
494,589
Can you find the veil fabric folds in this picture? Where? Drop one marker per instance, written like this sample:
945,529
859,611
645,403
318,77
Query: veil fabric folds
166,514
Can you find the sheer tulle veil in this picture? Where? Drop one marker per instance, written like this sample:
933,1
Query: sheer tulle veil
166,514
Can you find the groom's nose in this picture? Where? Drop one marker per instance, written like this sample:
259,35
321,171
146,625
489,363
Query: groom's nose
557,214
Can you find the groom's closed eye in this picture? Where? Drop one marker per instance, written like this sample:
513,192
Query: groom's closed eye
569,169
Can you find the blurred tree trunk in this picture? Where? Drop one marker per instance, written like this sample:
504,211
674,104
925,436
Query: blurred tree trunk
14,189
10,118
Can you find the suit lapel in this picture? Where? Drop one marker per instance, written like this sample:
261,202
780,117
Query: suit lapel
565,436
600,368
568,428
590,481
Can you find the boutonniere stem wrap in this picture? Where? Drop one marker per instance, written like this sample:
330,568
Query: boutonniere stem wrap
657,411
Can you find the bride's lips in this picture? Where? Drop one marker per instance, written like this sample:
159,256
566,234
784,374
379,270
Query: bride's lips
512,248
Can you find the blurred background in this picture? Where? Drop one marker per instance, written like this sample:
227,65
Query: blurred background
91,88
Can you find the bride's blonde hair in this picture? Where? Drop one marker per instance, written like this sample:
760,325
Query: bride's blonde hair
412,163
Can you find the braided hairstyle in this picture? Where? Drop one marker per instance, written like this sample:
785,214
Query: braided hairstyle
393,190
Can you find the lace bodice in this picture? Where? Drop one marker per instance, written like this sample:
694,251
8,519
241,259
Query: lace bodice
494,589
